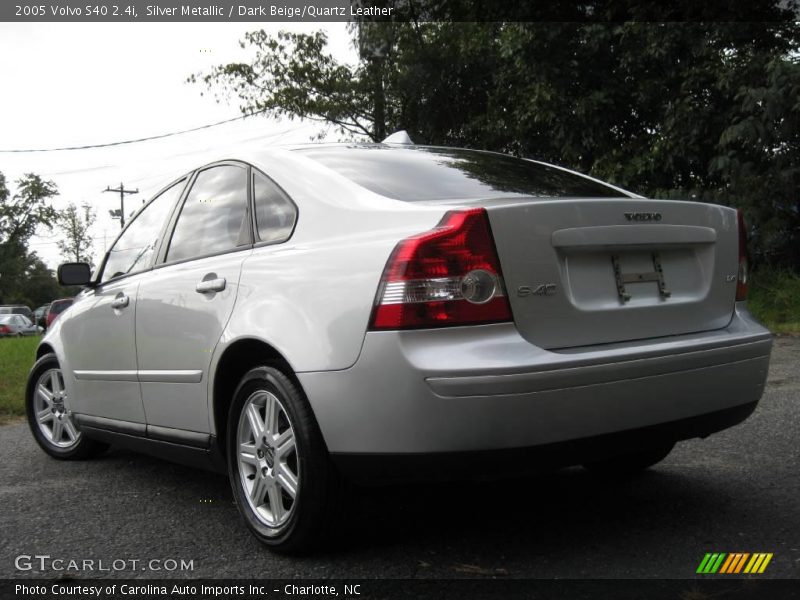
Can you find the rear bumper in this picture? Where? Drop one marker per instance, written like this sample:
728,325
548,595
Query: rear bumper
494,464
479,389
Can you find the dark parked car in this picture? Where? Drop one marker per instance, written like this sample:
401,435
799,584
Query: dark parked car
56,308
40,314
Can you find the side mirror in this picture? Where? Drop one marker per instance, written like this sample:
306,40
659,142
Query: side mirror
74,274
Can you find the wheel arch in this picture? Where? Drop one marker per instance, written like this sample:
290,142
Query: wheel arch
44,348
236,360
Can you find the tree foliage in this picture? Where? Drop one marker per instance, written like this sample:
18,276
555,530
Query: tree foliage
75,223
24,278
293,75
23,212
701,110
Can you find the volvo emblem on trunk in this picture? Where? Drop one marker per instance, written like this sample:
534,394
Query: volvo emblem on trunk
643,216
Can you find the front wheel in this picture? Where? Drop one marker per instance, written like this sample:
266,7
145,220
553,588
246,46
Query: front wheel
284,483
49,416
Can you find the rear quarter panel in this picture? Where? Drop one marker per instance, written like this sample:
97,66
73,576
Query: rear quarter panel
311,297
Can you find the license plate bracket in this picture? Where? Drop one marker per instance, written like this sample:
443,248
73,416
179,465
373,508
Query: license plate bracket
657,276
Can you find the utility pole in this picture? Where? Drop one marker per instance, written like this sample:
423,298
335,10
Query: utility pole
121,213
374,45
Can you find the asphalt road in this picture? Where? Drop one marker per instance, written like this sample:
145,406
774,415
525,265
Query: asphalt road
736,491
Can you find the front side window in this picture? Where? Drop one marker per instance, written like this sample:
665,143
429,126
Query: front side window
214,216
275,213
133,251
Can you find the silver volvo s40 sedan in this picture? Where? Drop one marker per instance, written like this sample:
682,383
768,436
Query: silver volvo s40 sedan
304,316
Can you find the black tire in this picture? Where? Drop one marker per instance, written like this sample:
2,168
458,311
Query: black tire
82,447
318,493
629,464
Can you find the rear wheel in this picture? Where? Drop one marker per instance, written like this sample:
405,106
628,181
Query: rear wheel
284,483
632,462
49,415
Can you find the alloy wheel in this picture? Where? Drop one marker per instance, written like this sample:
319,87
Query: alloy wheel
269,468
52,411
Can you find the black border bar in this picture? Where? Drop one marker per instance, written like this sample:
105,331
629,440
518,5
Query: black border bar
716,587
319,11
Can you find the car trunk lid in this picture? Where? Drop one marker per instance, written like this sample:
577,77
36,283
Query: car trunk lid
592,271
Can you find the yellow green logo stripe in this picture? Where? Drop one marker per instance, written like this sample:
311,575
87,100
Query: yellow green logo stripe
711,563
758,563
734,563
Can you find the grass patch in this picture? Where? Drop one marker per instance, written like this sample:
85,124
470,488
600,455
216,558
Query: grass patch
16,359
774,299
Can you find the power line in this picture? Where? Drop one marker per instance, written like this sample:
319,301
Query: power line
93,238
134,141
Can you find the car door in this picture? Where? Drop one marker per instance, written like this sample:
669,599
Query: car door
98,332
185,303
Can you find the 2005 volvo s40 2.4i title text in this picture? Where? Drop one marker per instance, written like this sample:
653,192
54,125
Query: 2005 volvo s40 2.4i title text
304,316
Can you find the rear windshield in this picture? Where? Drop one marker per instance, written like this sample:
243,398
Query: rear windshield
423,173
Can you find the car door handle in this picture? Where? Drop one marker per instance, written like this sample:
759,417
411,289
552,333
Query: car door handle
120,301
209,286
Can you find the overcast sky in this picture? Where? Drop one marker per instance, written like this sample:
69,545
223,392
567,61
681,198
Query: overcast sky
72,84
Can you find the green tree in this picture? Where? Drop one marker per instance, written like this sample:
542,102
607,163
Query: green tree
20,215
39,285
23,212
75,224
701,110
293,75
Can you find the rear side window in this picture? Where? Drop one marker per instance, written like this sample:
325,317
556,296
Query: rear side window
214,216
133,251
275,213
421,173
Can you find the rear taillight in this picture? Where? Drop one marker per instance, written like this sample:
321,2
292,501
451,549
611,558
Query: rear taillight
5,329
443,277
742,275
